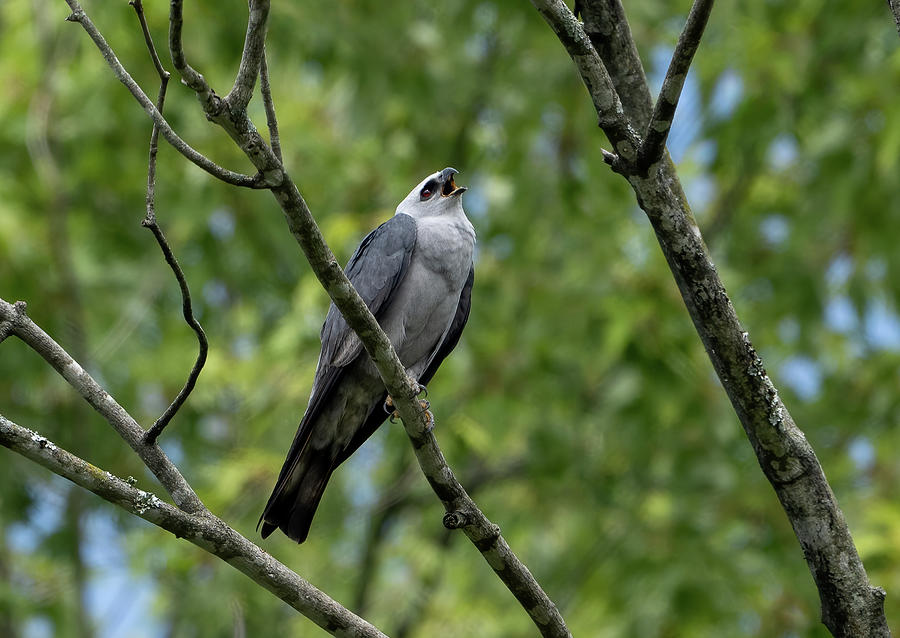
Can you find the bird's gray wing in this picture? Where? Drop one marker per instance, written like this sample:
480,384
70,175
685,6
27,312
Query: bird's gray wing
375,270
378,414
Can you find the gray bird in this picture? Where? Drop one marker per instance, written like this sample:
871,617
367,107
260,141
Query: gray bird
415,274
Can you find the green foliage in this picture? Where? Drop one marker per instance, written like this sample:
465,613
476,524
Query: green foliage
615,466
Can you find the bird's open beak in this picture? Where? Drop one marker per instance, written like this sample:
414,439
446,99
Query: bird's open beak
449,188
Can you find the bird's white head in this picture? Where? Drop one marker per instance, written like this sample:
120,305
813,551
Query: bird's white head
435,195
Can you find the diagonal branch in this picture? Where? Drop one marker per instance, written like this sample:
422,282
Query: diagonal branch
610,33
230,177
851,606
204,530
150,222
664,110
269,104
13,320
188,75
251,59
612,119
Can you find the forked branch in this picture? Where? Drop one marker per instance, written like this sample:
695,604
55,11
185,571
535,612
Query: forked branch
204,530
851,606
237,179
664,111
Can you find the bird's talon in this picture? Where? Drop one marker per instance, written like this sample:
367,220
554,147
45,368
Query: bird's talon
388,404
420,389
429,421
393,417
425,404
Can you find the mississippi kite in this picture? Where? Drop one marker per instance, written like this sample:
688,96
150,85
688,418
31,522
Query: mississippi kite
415,274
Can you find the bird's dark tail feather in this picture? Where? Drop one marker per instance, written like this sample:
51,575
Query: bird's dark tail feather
294,501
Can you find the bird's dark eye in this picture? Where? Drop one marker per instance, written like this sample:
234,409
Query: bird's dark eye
425,193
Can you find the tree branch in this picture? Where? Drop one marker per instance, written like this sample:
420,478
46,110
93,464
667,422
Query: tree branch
664,112
269,104
610,33
202,529
13,320
188,75
237,179
612,119
850,605
187,310
150,222
251,59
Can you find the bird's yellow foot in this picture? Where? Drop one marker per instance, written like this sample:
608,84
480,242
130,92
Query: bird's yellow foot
424,403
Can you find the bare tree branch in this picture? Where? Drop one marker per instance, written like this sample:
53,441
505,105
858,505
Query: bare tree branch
612,119
148,39
238,179
188,312
13,320
664,111
610,33
851,607
254,48
202,529
269,104
151,223
188,75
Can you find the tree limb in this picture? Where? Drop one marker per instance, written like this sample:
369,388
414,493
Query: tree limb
664,111
251,59
269,104
13,320
610,33
150,222
202,529
612,119
851,607
237,179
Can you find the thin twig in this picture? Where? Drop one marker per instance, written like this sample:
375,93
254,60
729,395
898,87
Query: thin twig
269,104
151,223
251,58
664,110
188,75
139,10
160,424
203,529
237,179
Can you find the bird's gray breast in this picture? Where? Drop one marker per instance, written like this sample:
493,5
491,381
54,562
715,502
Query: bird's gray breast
428,297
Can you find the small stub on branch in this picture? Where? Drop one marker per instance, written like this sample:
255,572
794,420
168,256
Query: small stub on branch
455,520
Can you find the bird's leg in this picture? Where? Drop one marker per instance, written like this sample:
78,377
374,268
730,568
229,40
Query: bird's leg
389,408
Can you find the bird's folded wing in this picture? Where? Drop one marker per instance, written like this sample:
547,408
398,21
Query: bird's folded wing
375,270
